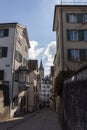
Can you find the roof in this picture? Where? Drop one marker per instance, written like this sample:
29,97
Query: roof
32,65
65,7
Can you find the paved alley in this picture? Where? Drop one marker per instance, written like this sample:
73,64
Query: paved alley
46,119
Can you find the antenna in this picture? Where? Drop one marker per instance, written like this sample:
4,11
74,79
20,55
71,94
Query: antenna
61,2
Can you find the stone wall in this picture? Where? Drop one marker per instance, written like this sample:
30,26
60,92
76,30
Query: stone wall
75,102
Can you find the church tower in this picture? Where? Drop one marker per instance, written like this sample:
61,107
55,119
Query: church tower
41,70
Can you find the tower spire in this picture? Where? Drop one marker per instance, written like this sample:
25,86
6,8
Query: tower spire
41,70
41,65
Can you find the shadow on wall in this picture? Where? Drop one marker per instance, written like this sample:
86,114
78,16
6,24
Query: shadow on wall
4,102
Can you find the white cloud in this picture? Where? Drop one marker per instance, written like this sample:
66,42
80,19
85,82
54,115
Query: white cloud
35,51
46,54
49,56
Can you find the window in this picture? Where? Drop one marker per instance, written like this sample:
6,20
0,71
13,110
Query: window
24,62
18,57
47,86
83,54
4,33
44,91
85,35
71,17
1,74
73,55
72,35
3,52
47,95
19,37
84,17
76,17
77,35
77,55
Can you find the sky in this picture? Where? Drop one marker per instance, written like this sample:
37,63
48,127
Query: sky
37,16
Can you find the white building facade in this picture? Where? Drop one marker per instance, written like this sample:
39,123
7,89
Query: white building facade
14,45
45,91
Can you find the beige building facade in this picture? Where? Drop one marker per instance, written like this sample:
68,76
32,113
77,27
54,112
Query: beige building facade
70,25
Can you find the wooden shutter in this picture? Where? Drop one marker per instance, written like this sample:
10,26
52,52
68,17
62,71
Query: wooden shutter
69,54
82,54
81,35
67,17
68,35
79,17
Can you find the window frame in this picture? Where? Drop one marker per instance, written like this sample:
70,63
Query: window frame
18,56
81,56
4,52
4,33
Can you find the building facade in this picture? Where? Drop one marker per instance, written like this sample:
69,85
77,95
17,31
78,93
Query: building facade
46,91
14,45
33,88
70,25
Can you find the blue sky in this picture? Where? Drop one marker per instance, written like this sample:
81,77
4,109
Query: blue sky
37,16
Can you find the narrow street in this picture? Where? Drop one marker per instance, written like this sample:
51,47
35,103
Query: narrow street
46,119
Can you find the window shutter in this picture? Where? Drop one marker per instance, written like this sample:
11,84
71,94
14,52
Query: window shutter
6,31
67,17
82,55
69,54
68,35
4,52
79,18
81,35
